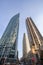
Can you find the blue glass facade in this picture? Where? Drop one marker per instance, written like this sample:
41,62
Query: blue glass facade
9,40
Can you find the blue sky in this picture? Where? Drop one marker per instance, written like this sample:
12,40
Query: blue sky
26,8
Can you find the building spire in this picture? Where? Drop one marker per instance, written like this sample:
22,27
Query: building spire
26,46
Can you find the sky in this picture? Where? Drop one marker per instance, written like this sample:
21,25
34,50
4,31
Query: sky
26,8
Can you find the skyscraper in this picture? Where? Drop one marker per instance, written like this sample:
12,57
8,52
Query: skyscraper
9,40
33,33
26,46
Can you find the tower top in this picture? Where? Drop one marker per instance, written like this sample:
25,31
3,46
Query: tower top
26,46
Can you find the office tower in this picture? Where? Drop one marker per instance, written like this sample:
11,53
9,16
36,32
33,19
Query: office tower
9,40
26,46
34,35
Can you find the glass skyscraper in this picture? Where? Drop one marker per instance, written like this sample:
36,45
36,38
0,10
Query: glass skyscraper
9,40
